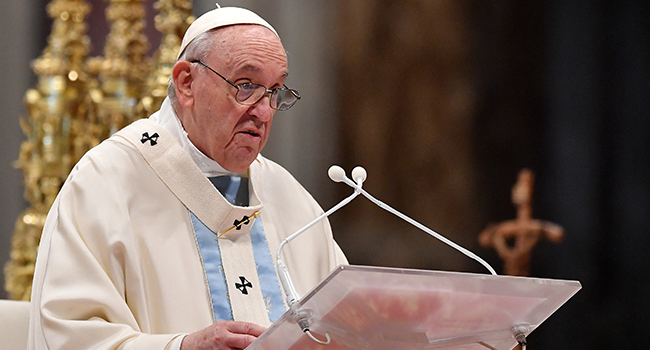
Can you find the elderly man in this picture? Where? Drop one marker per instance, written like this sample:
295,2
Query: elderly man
142,251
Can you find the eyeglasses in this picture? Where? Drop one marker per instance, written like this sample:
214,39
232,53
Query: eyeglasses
249,94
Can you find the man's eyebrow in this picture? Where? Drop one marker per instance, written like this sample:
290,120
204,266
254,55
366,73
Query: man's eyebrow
249,67
254,68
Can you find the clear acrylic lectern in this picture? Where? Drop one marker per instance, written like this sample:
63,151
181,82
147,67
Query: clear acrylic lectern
380,308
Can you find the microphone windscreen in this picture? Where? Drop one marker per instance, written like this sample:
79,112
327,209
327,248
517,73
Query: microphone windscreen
359,174
336,173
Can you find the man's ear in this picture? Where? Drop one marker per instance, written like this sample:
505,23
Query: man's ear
183,79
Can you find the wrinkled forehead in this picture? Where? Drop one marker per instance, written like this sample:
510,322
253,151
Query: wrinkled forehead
250,36
247,48
221,17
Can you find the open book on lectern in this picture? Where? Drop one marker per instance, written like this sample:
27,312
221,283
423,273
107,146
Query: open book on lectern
379,308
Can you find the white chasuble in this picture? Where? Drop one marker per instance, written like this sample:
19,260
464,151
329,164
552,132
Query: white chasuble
120,265
230,223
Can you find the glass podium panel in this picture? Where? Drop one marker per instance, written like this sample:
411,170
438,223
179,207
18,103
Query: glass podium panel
381,308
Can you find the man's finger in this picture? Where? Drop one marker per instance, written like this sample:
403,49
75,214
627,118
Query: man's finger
239,341
245,328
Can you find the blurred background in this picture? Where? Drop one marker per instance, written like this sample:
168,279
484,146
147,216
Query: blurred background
443,102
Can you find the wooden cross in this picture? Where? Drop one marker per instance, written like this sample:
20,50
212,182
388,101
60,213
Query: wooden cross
515,239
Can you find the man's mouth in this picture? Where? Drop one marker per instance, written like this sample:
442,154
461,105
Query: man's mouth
250,132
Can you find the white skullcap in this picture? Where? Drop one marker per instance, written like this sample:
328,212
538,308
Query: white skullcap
221,17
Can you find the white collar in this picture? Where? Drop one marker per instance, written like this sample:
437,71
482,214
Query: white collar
167,118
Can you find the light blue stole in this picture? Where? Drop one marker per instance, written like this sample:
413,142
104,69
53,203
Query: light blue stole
235,190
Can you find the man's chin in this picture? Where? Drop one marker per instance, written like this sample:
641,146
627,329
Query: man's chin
240,163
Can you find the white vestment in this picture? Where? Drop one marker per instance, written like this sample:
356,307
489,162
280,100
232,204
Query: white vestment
119,266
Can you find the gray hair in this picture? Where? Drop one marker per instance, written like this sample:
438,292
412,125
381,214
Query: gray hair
198,49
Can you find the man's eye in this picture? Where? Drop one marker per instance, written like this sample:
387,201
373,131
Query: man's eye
247,86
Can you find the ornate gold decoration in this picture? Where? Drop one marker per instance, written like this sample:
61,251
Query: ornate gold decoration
79,102
173,19
56,109
123,69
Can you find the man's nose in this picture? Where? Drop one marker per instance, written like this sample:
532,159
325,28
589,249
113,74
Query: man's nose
262,109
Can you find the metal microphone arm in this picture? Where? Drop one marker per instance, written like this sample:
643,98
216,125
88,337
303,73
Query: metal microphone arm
285,277
337,174
301,318
359,174
440,237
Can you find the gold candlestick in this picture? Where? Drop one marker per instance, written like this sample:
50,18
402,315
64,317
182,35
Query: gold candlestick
56,108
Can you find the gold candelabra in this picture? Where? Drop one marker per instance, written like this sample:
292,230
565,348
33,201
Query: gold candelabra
122,71
80,101
172,20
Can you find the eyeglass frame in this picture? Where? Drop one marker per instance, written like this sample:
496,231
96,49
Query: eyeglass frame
293,92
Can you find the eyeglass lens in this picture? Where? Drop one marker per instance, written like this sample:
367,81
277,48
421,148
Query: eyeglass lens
281,99
284,99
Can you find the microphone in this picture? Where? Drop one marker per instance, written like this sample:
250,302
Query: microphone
359,175
337,174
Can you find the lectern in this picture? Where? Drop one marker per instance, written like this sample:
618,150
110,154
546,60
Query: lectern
378,308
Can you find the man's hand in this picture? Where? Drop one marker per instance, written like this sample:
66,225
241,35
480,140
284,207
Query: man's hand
223,335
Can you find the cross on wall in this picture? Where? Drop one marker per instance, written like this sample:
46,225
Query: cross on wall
515,239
